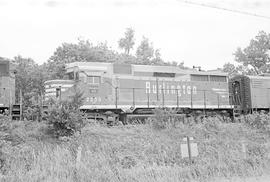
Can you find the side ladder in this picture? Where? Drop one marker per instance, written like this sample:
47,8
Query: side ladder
16,112
236,112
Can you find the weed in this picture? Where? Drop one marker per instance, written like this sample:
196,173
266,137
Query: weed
133,152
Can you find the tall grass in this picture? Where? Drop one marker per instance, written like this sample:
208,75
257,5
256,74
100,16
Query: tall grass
132,152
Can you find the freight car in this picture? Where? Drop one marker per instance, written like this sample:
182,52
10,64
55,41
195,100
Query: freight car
135,90
7,88
250,93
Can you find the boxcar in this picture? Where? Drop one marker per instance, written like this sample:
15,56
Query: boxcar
127,88
7,86
250,93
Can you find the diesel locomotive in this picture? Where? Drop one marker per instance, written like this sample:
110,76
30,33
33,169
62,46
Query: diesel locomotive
127,90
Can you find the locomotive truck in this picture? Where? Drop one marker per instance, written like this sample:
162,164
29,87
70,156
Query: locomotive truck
127,90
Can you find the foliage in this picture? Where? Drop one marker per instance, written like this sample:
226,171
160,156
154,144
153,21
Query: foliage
258,120
256,54
145,51
126,59
163,118
127,42
157,60
64,115
64,119
83,51
252,60
76,100
174,63
233,70
30,79
139,153
32,113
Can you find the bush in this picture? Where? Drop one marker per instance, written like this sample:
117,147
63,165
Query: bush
161,118
257,120
167,118
32,113
64,119
64,116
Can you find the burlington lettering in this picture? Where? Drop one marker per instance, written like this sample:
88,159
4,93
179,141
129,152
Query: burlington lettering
170,88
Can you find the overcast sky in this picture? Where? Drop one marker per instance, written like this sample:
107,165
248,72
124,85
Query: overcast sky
183,32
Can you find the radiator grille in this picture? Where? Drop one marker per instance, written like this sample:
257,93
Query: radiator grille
257,84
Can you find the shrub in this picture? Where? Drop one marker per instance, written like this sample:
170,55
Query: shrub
32,113
161,118
64,116
64,119
258,121
168,118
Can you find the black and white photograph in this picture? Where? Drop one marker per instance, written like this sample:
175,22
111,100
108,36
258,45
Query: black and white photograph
134,90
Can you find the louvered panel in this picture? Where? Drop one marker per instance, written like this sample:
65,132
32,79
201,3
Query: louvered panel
246,93
257,83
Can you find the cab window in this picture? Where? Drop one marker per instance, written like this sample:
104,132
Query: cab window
93,80
71,76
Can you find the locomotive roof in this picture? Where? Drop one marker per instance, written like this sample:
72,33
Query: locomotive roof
102,66
99,66
153,68
259,77
60,81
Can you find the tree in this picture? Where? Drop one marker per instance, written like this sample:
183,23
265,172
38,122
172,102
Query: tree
126,59
30,79
256,55
157,58
232,70
83,51
145,51
181,65
128,41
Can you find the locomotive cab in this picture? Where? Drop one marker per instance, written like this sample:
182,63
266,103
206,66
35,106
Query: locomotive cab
77,76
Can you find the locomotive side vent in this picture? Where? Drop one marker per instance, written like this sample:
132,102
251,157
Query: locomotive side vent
4,68
122,69
160,74
216,78
257,83
199,77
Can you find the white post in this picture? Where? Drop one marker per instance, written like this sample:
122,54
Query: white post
78,157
